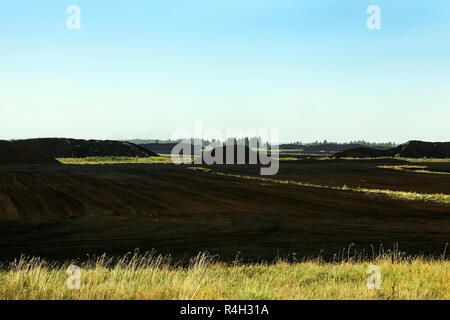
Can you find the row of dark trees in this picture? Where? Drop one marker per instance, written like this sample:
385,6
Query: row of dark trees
363,142
257,141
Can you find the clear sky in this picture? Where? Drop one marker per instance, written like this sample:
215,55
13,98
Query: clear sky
142,69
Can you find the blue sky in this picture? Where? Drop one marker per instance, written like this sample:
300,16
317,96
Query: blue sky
142,69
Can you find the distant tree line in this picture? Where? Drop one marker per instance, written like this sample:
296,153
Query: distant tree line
257,141
363,142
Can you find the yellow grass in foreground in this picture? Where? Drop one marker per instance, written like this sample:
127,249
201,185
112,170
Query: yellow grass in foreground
150,278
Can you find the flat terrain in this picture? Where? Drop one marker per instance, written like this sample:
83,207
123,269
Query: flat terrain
68,211
357,173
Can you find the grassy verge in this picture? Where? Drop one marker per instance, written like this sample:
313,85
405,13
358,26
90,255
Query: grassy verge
166,158
417,160
419,169
153,278
163,158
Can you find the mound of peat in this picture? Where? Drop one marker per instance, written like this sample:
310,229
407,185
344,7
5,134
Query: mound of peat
362,153
291,147
18,154
239,154
410,149
75,148
166,148
420,149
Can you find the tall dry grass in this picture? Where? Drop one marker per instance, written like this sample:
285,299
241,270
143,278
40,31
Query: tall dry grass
155,277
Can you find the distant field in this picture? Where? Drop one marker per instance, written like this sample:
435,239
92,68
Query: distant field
163,158
138,278
284,155
444,160
414,168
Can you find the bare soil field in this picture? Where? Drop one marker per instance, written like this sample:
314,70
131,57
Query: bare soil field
357,173
69,211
